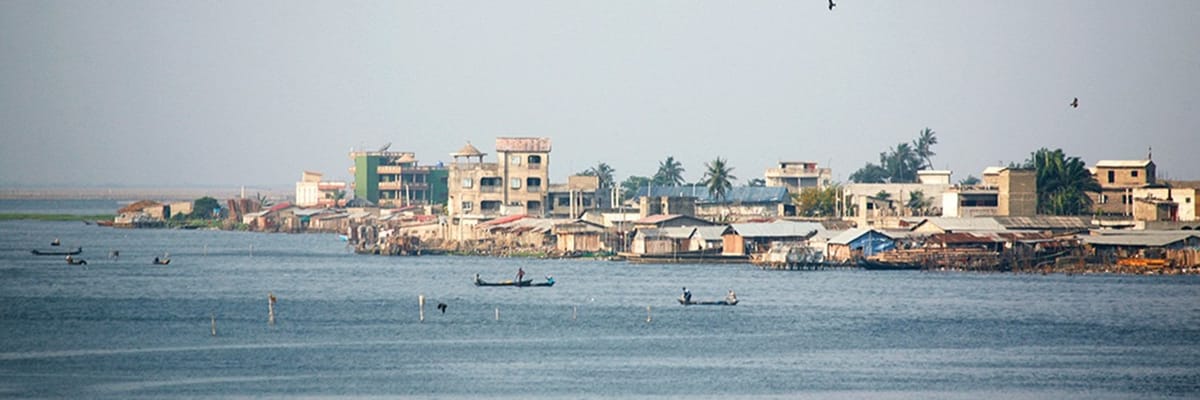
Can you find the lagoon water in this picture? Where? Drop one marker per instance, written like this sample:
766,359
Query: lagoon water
348,326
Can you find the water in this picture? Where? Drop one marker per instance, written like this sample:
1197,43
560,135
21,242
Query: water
62,206
347,326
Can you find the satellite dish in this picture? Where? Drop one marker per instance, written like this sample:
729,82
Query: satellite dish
385,147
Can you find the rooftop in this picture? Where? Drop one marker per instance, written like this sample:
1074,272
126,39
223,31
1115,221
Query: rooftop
1123,163
523,144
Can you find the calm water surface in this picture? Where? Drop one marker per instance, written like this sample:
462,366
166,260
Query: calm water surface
348,326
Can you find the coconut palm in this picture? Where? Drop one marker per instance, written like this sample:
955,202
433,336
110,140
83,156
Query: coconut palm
670,173
718,178
602,171
1062,183
923,147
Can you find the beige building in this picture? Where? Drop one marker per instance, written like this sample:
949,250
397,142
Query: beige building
1118,179
312,191
798,175
1005,192
516,184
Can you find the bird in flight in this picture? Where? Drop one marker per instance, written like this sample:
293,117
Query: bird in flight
831,5
1075,103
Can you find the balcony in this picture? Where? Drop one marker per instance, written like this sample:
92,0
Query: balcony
389,169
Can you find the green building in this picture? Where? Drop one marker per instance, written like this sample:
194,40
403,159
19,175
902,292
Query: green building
394,179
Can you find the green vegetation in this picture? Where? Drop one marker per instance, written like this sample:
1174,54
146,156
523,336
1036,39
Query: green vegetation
901,163
54,217
718,178
670,173
631,185
813,202
1062,183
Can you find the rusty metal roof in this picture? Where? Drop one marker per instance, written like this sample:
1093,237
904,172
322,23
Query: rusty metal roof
523,144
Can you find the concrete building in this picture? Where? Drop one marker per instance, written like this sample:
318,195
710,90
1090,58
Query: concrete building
1118,179
798,175
580,194
394,179
1005,192
1164,204
516,184
312,191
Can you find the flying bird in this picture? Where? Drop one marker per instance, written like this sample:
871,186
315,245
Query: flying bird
442,307
831,5
1075,103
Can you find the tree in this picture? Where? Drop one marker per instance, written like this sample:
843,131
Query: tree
870,173
882,195
1062,182
918,203
756,182
970,180
718,178
813,202
923,147
901,164
263,201
670,173
631,186
203,207
602,171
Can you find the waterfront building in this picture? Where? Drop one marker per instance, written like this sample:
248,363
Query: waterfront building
516,184
311,191
1118,179
395,179
580,194
798,175
1004,192
740,203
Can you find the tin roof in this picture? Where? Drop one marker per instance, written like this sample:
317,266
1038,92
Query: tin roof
964,224
737,194
525,144
777,229
850,235
1043,222
1144,239
1123,163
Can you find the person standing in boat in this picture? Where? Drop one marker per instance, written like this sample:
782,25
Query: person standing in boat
687,295
520,274
731,298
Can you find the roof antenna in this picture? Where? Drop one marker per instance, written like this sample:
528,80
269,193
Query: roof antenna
1150,153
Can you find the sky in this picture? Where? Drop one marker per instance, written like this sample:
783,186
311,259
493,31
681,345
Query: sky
229,93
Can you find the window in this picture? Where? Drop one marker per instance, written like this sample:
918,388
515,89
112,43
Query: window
534,184
514,160
514,183
466,205
1112,176
1126,199
1104,199
535,159
1133,173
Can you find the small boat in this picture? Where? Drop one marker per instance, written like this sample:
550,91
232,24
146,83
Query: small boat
55,242
161,261
70,252
707,303
873,265
79,261
524,282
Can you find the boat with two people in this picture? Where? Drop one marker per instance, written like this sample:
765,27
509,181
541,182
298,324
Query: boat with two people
69,252
519,283
729,300
76,261
162,260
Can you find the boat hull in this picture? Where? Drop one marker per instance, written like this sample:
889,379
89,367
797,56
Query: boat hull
77,250
887,266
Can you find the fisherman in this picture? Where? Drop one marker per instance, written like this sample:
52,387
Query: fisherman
477,278
731,298
687,296
156,260
549,279
55,242
520,274
70,260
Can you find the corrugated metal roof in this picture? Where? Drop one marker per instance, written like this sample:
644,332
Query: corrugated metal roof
710,232
1043,222
850,235
777,229
964,224
678,233
1156,239
737,194
526,144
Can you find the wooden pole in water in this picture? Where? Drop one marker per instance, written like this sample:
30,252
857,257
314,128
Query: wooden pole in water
497,313
648,314
270,308
214,323
421,306
574,312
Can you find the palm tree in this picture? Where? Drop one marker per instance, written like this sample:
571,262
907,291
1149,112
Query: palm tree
602,171
917,202
1062,183
718,178
901,163
670,173
923,147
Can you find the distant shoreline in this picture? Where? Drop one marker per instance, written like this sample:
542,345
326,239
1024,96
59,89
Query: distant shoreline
172,194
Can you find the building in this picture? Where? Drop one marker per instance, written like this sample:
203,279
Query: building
394,179
798,175
580,194
755,238
312,191
739,203
517,184
1118,179
1004,192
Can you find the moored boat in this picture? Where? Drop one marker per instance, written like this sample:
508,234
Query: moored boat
522,283
732,302
875,265
71,252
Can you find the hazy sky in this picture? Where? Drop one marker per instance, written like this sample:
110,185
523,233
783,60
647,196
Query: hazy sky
184,93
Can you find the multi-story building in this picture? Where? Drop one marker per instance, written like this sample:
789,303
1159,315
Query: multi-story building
798,175
1006,192
394,179
579,194
1118,179
312,191
516,184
